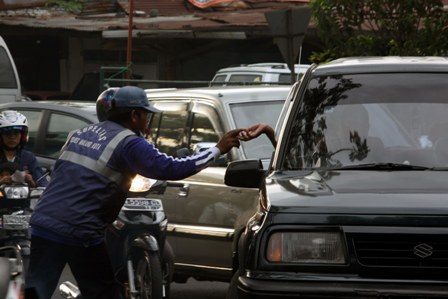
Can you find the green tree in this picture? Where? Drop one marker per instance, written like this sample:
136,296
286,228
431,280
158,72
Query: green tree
74,6
380,28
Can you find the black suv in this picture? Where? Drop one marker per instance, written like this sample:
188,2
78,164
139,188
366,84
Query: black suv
355,201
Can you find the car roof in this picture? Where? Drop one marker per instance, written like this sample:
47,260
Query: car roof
84,109
262,68
383,64
224,95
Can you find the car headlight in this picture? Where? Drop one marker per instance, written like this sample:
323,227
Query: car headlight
306,248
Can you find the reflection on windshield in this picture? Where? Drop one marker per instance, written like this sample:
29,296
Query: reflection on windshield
248,114
354,120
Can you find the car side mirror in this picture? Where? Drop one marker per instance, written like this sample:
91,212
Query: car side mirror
245,174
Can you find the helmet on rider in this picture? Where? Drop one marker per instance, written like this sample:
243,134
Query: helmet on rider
116,99
14,121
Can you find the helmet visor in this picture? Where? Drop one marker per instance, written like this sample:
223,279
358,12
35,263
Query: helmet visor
12,128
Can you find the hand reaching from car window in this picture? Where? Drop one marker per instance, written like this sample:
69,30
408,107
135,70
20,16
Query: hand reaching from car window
256,130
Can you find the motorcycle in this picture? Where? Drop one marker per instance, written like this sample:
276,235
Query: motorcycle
142,259
11,273
16,204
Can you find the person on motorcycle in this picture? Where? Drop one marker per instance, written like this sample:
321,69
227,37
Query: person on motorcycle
88,187
13,138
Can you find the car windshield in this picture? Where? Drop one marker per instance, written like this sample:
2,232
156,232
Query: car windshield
250,113
371,120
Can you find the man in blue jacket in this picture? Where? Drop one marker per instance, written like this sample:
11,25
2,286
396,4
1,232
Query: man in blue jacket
88,188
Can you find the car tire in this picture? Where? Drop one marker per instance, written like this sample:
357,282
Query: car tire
232,291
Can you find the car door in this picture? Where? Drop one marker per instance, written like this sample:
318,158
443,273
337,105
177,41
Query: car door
201,209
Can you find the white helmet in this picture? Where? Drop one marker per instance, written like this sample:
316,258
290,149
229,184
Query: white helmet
13,120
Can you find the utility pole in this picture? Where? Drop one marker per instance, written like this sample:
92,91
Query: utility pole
129,49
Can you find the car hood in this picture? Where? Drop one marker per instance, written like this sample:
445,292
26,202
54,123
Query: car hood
366,192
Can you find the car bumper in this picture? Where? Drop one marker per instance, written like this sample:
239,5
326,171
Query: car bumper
342,288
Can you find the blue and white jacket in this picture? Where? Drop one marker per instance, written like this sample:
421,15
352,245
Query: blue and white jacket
92,176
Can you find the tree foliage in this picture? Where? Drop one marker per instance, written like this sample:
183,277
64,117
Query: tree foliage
380,28
74,6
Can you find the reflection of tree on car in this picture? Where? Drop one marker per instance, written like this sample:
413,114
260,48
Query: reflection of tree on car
319,98
385,127
345,137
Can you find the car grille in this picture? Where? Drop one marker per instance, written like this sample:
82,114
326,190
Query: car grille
402,250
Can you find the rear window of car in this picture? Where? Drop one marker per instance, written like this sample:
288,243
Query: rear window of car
246,78
250,113
7,77
59,126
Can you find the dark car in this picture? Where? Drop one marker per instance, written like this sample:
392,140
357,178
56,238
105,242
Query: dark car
355,201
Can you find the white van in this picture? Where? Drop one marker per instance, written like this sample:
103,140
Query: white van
271,73
10,89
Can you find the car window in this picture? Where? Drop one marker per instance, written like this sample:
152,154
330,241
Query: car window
246,78
7,77
34,118
220,78
250,113
286,78
59,126
354,121
202,130
167,131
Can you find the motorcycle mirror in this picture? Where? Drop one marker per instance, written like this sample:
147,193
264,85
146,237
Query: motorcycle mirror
141,184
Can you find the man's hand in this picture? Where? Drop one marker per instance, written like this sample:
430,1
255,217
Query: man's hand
229,140
256,130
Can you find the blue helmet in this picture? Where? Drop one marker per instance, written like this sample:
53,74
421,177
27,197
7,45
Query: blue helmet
115,98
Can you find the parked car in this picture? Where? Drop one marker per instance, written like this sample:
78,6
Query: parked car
10,88
204,215
355,201
50,122
257,74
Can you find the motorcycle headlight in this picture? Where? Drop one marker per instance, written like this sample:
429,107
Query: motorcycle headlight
141,184
306,248
16,192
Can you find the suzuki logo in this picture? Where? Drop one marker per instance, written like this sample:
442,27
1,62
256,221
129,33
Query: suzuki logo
423,250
